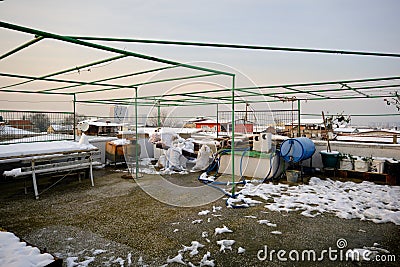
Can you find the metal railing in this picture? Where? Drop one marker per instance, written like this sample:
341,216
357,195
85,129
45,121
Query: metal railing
35,126
278,121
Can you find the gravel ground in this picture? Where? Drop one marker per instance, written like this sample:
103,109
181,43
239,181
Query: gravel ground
116,223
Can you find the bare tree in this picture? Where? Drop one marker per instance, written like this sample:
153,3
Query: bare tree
69,120
40,121
395,100
153,120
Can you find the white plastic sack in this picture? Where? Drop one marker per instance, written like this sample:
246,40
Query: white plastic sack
175,160
155,138
162,162
168,137
203,158
189,145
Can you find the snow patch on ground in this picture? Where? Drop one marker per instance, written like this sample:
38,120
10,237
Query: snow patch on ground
14,252
222,230
225,244
347,200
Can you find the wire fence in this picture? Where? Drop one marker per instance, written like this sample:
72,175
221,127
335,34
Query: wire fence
256,121
35,126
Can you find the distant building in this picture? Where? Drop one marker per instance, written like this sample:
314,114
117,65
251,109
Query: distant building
242,126
208,125
204,123
311,128
60,129
101,128
21,124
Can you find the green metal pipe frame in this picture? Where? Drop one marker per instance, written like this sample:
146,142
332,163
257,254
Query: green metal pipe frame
198,94
252,47
77,68
126,53
33,78
19,48
238,89
146,83
111,78
192,98
105,48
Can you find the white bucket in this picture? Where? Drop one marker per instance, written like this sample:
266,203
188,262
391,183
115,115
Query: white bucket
377,165
158,152
292,176
360,165
346,164
257,143
263,142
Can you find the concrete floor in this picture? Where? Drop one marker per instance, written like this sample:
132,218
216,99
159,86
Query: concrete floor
117,217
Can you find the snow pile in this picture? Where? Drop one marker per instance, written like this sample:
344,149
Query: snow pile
97,254
73,261
121,142
204,212
222,230
225,244
194,248
347,200
205,261
268,223
38,148
99,251
241,201
276,232
9,130
84,140
13,252
13,172
205,177
241,250
177,259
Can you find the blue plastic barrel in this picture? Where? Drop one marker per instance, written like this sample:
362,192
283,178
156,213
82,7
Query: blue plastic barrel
297,149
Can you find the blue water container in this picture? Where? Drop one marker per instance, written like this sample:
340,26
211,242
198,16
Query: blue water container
297,149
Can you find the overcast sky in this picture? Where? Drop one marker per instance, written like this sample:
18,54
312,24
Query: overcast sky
362,25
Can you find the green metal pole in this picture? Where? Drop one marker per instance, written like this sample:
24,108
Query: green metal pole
158,114
74,127
233,136
298,118
217,122
136,136
29,43
254,47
